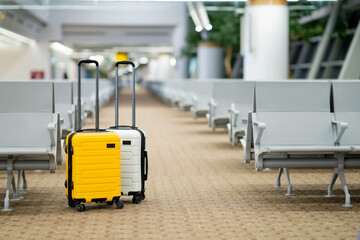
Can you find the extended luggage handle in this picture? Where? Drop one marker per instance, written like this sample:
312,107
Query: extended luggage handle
88,61
117,92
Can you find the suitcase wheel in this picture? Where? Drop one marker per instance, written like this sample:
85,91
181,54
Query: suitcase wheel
80,207
71,203
143,195
137,198
119,204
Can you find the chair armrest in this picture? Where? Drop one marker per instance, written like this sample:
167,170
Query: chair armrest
51,127
236,115
212,105
212,102
343,126
70,114
261,126
244,120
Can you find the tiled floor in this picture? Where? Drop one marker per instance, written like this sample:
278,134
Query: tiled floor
198,188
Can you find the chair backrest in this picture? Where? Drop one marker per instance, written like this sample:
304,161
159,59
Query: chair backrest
244,99
26,96
26,108
244,103
224,93
346,97
292,96
225,89
295,112
63,92
87,89
202,89
64,100
346,101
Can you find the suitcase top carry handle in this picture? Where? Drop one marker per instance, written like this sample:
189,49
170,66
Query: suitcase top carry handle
117,92
96,96
88,61
125,63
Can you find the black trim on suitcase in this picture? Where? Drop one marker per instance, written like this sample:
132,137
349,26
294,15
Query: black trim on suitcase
146,164
144,156
91,130
70,153
142,161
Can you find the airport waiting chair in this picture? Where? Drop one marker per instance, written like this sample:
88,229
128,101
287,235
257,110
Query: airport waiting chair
239,109
346,101
202,90
64,105
292,127
171,92
223,94
87,98
175,92
186,93
30,131
155,87
106,91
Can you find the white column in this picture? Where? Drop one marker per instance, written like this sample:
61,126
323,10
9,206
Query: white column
210,58
266,53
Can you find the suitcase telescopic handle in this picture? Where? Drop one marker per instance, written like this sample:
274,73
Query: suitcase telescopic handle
88,61
117,91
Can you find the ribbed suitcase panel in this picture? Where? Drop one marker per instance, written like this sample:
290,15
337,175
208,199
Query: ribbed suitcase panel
130,160
96,166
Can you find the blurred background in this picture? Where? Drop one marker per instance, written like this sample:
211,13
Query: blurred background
173,39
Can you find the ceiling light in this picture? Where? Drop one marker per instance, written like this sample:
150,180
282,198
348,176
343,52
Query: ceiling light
143,60
208,27
172,62
194,15
97,58
198,28
61,48
204,18
17,37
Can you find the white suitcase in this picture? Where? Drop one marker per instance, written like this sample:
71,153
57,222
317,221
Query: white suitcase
134,160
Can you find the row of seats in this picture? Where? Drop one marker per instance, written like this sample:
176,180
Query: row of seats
34,117
280,124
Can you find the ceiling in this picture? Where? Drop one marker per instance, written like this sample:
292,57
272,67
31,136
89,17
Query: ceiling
100,37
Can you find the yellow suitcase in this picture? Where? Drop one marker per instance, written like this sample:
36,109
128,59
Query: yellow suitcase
93,167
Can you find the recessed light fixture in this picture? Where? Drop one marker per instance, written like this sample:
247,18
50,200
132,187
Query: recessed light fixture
17,37
198,28
61,48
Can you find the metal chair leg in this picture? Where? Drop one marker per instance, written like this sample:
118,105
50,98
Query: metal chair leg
343,182
289,192
8,185
278,180
332,182
25,187
17,195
